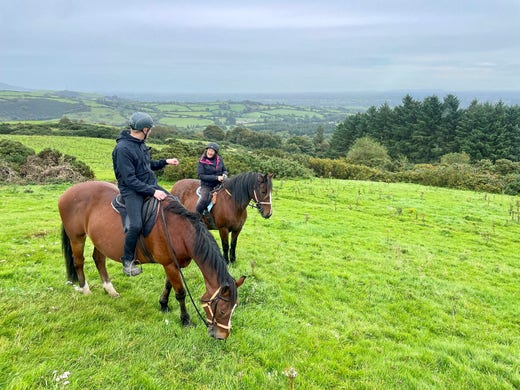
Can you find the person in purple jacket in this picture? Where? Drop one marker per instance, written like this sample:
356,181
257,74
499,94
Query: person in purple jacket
133,168
211,171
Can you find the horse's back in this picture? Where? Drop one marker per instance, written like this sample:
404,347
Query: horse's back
185,190
86,192
80,202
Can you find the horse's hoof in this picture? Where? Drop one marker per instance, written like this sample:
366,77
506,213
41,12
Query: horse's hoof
185,321
165,308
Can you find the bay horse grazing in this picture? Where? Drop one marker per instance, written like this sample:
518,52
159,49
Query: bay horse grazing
230,209
176,237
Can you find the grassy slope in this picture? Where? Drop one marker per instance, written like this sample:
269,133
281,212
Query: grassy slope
354,284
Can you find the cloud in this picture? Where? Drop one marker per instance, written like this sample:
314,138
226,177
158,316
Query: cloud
260,45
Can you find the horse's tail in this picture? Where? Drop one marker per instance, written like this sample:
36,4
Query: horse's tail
72,275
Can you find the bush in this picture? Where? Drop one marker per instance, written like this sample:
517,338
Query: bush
50,166
460,176
369,152
455,158
14,153
512,186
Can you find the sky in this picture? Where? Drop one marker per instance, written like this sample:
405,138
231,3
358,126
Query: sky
282,46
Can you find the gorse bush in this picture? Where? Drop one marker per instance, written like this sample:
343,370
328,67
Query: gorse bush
51,166
19,164
14,153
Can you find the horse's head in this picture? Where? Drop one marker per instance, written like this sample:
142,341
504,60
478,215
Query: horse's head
219,309
262,194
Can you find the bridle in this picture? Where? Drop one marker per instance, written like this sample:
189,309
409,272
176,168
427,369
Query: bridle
257,204
211,305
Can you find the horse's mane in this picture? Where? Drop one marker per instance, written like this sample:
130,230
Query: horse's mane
205,247
241,187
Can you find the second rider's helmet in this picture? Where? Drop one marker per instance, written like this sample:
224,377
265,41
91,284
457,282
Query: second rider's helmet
214,146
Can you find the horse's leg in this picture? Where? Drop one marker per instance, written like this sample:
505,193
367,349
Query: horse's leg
78,246
174,277
234,239
224,238
165,296
100,260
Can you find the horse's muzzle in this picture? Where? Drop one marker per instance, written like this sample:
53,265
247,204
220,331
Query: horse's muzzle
217,333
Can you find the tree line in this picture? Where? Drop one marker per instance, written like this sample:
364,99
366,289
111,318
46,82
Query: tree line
424,131
429,142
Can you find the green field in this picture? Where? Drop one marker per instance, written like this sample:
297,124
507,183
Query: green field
91,108
351,285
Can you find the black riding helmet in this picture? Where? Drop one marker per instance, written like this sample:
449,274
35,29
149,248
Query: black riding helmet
140,120
214,146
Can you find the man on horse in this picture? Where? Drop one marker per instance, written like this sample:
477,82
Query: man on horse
211,171
133,168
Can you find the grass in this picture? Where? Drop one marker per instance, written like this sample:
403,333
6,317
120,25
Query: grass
354,285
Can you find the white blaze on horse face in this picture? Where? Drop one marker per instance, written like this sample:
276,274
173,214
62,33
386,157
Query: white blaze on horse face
231,315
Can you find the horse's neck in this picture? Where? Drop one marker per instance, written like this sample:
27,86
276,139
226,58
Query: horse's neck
209,273
242,205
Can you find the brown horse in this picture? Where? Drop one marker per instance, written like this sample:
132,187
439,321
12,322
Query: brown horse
176,237
230,209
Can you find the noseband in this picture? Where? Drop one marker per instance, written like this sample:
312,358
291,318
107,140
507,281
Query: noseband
257,204
211,304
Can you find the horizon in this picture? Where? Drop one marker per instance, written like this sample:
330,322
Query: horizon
327,98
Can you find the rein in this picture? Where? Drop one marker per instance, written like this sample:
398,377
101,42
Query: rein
163,218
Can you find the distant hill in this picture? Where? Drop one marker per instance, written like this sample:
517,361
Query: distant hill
185,116
290,113
7,87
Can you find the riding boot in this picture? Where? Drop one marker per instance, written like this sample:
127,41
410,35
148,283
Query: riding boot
130,268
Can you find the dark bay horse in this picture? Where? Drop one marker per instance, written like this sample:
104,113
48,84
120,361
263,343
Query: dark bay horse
230,210
176,237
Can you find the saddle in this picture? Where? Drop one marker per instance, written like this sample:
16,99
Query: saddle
150,207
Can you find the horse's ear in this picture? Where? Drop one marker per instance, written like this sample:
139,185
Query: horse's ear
240,281
270,175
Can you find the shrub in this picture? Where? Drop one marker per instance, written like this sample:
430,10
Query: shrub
505,167
455,158
369,152
512,186
14,153
50,166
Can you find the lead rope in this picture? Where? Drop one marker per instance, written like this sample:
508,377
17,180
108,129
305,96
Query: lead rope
178,266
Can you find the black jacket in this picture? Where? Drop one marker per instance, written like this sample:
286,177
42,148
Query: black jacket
134,167
209,169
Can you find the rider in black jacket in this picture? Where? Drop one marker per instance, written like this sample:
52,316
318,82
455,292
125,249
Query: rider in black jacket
211,171
133,168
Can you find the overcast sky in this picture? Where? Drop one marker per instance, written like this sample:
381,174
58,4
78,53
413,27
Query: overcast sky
218,46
